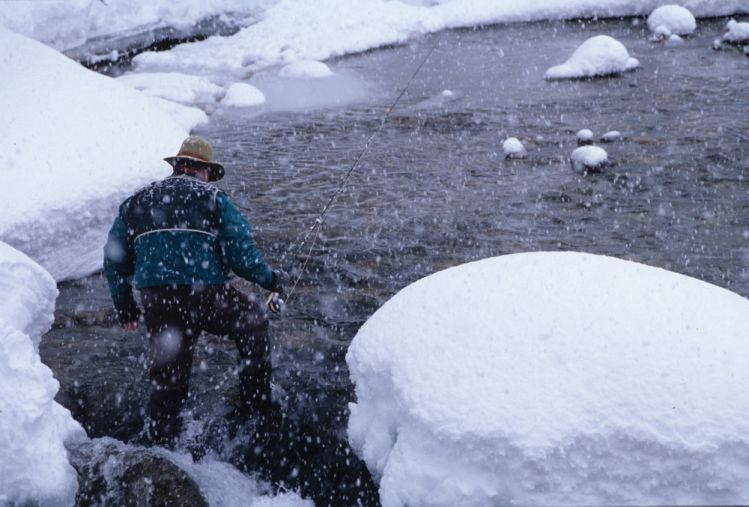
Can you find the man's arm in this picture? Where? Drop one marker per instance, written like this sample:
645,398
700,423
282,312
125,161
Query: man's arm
238,247
119,265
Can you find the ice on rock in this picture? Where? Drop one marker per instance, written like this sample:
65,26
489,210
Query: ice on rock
674,18
513,148
565,379
184,88
584,136
598,56
589,158
738,32
243,95
306,69
34,465
612,136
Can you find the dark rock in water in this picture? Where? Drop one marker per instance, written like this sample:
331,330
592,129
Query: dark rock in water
109,473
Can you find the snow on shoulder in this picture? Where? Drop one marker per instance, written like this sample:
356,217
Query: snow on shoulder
33,427
598,56
305,69
554,378
77,143
672,19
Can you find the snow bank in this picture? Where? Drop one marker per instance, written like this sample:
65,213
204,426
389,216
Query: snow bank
293,30
675,19
174,86
598,56
305,69
74,144
555,379
243,95
737,32
33,460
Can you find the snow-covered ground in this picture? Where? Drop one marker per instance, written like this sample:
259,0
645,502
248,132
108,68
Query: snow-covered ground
74,144
33,460
555,379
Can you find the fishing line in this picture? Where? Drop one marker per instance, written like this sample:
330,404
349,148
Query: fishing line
321,217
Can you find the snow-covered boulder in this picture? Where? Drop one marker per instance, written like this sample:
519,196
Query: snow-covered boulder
305,69
174,86
243,95
33,427
612,136
738,33
598,56
555,379
584,136
75,143
589,158
674,40
513,148
675,19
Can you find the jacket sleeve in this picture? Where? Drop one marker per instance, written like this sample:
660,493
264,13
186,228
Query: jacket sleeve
237,246
119,265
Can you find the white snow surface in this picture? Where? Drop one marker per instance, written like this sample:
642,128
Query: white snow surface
75,143
737,31
554,378
675,18
600,55
513,148
305,69
292,30
589,157
243,95
33,427
174,86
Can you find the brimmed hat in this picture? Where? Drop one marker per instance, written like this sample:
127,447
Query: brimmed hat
199,150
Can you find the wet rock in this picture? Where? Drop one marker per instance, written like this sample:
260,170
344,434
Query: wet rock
109,473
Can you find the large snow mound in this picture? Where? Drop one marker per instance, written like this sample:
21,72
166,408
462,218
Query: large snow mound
75,143
598,56
33,427
555,379
674,18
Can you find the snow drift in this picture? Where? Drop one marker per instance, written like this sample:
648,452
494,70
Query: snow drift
33,460
598,56
74,144
555,379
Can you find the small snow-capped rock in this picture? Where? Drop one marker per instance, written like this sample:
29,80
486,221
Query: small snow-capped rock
584,136
306,69
448,93
661,33
598,56
717,45
674,40
243,95
738,33
513,148
589,158
675,18
612,136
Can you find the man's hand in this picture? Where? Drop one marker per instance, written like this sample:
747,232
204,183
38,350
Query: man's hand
277,295
130,326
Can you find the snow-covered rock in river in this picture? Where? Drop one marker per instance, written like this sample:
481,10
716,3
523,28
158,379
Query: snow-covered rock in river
589,158
305,69
77,143
674,40
612,136
598,56
174,86
584,136
738,33
33,427
555,379
513,148
674,18
243,95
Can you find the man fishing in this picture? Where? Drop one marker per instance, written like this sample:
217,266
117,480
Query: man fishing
178,239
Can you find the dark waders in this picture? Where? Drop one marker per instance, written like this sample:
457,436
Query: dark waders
175,317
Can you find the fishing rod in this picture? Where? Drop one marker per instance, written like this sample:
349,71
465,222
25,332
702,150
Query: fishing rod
273,297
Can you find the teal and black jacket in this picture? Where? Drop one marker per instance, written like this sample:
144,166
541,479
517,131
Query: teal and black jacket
178,231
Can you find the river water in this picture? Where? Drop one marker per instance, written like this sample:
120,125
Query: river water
434,191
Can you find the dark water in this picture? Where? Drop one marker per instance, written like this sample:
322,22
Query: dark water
434,191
